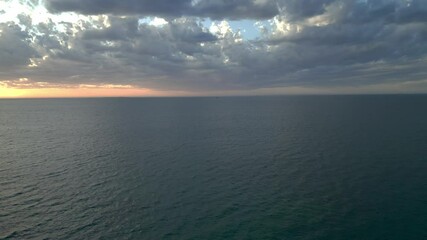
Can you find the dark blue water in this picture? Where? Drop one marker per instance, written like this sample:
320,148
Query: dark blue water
308,167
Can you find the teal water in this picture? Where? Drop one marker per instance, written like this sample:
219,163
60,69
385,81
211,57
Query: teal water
306,167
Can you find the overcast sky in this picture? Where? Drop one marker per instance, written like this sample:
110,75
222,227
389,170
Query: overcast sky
216,46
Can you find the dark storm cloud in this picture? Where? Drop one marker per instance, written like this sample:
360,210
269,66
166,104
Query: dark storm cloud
301,9
385,11
355,10
15,48
215,9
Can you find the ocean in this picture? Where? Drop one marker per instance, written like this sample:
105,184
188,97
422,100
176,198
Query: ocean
277,167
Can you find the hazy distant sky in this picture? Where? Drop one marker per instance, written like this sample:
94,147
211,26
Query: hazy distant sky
203,47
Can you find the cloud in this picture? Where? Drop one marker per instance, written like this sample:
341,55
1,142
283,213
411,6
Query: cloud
295,10
215,9
305,43
15,49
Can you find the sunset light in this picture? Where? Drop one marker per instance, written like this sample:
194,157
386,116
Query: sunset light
84,91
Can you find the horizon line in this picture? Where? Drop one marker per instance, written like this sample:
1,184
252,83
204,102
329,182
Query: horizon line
218,96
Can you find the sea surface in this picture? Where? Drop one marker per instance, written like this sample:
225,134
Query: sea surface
294,167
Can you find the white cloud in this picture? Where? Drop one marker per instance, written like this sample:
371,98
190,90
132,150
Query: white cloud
158,22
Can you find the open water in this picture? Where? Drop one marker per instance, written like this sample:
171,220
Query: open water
295,167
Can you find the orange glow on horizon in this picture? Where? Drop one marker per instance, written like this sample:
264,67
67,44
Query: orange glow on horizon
7,92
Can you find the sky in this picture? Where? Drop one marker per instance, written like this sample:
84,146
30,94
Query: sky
97,48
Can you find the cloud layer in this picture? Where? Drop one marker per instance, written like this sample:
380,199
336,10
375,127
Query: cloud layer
216,9
166,45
